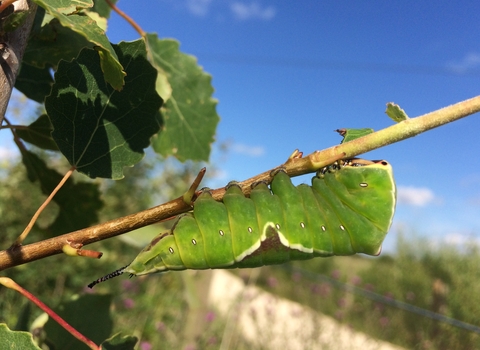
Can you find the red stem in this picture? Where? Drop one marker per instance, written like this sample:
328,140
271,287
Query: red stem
9,283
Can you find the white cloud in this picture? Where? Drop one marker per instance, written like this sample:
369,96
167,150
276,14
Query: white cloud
470,61
198,7
254,10
460,239
416,196
252,151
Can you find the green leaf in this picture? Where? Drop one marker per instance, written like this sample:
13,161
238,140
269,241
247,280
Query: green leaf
34,82
117,342
51,42
89,314
16,340
39,133
78,203
102,8
98,129
352,134
65,6
396,113
70,17
101,21
190,112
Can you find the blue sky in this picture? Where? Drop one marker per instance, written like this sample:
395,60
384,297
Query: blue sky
288,73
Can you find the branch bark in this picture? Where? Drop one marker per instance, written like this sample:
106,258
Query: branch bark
294,167
12,47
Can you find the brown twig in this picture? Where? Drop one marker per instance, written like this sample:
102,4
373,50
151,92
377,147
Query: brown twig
294,167
129,19
27,230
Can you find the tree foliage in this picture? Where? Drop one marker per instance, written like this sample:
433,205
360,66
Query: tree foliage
104,105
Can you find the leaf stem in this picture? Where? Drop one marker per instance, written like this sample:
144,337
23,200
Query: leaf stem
126,17
9,283
27,230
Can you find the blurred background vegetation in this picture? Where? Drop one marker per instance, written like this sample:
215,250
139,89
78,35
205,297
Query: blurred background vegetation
444,279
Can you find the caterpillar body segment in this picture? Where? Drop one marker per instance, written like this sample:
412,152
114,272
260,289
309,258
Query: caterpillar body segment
348,209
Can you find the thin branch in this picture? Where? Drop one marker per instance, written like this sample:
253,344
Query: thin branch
126,17
294,166
29,227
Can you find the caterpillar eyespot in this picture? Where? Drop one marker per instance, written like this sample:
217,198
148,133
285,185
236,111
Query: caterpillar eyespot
348,209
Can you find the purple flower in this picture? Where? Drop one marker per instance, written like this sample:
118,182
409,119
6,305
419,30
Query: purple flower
128,303
356,280
160,326
272,282
296,277
323,289
88,290
336,274
129,286
145,345
210,316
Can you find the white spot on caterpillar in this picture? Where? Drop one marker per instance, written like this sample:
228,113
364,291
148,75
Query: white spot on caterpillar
342,228
324,228
302,225
277,226
194,242
170,249
363,184
250,230
221,233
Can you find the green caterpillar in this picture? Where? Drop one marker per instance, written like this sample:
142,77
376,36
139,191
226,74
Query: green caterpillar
348,209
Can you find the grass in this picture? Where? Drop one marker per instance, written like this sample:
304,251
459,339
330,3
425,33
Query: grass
443,280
